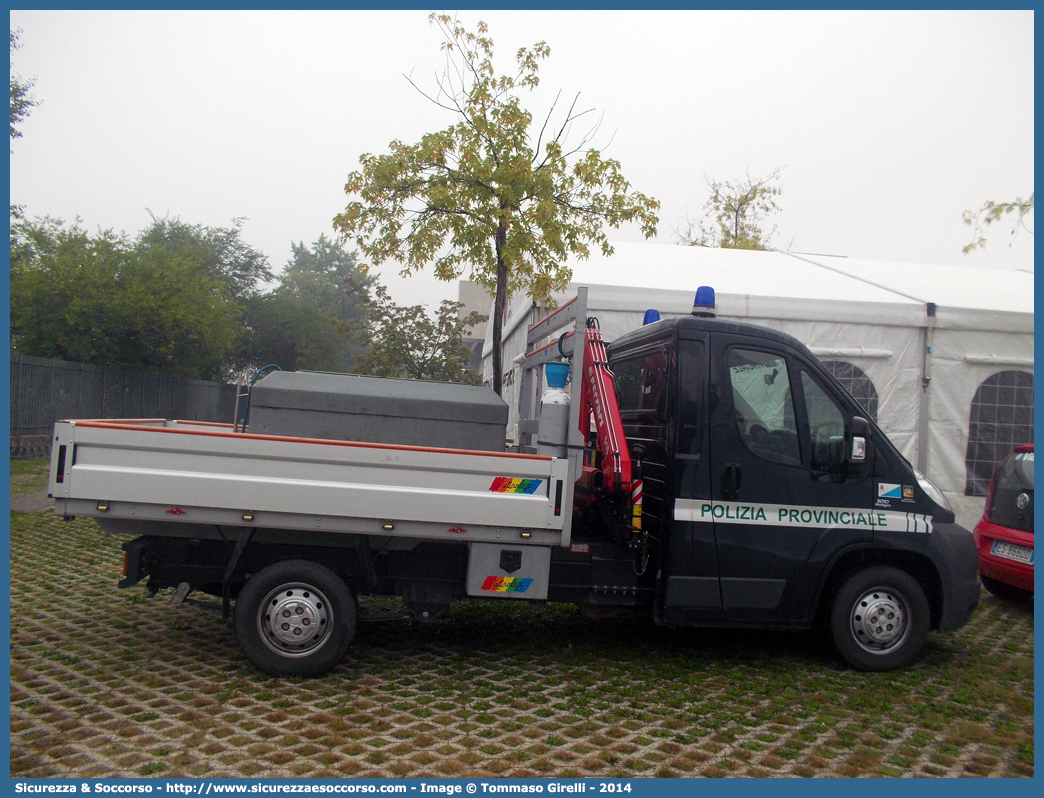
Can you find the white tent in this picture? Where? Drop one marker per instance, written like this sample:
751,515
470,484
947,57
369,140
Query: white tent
946,351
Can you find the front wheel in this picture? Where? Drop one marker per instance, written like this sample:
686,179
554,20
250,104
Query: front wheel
879,619
295,618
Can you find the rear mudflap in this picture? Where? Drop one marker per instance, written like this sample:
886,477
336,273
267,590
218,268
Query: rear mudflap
135,566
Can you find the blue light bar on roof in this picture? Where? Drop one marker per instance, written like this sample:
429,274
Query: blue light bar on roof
705,305
651,315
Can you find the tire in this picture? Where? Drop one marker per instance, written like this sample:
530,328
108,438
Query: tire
317,613
879,619
1005,591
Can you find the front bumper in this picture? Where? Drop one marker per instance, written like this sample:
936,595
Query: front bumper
952,549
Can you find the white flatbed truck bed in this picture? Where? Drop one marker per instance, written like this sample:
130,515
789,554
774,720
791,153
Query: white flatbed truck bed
192,473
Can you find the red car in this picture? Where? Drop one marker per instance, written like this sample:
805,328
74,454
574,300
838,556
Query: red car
1004,536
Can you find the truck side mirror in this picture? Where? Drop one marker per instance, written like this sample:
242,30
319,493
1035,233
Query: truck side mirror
859,447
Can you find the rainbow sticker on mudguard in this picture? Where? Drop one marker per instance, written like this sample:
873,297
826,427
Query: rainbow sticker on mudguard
506,584
509,485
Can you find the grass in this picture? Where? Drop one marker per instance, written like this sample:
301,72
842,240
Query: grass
105,682
29,476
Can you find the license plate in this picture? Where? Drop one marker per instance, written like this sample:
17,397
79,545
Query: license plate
1010,551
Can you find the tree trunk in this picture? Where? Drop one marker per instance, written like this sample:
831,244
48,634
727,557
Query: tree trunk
498,312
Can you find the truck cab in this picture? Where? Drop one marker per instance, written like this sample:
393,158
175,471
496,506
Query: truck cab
772,500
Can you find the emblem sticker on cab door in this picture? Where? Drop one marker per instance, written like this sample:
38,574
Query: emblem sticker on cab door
888,490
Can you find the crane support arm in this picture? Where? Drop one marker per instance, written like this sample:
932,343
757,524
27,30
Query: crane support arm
598,402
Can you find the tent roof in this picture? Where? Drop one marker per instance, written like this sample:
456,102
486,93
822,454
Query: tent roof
948,286
795,286
785,285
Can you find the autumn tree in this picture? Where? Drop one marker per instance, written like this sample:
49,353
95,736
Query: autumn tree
493,194
993,212
408,342
736,213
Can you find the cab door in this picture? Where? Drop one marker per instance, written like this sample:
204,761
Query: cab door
782,500
661,388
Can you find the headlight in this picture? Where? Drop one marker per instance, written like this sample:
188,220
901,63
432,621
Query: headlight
932,491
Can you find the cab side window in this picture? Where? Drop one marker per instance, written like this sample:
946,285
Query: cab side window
627,377
764,405
641,382
826,426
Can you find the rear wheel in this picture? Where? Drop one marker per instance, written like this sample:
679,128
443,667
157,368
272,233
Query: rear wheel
295,618
879,619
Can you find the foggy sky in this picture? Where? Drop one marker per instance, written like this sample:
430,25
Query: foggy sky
888,124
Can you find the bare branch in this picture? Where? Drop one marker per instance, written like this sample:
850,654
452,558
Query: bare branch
543,127
587,137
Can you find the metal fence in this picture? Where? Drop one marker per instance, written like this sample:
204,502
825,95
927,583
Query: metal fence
44,390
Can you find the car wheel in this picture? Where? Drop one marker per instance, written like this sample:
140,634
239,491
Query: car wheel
879,619
295,618
1005,591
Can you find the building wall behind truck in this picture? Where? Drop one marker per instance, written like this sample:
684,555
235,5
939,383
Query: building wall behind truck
474,298
45,390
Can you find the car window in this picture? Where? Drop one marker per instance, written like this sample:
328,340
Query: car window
826,426
1012,503
1017,472
764,405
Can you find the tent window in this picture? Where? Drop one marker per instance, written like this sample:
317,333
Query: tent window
1001,418
854,380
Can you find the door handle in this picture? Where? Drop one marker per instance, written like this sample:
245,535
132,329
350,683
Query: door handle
731,480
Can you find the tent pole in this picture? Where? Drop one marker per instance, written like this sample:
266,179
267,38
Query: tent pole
924,411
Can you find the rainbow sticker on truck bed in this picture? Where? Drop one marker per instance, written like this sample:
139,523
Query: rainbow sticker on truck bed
509,485
506,584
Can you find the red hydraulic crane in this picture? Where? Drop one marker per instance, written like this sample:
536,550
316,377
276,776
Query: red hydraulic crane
598,401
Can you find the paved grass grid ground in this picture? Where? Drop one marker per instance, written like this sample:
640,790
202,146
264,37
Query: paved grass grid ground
108,683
